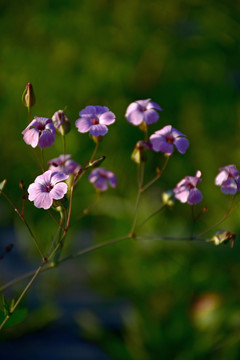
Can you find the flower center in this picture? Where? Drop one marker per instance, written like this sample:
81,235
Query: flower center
48,188
94,120
170,139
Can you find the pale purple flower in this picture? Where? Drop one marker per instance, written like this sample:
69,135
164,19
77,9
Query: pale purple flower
165,139
47,187
101,178
64,164
142,111
186,190
39,132
228,179
95,120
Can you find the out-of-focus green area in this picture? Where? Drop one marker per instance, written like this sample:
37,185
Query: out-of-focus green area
185,56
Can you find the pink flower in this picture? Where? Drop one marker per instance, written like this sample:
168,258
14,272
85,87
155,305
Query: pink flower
186,190
64,164
142,111
39,132
165,139
47,187
101,178
95,120
228,179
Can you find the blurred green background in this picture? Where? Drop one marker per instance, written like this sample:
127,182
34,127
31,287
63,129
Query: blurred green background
183,298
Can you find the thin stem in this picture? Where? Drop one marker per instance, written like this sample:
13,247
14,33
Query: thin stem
89,207
95,247
159,174
94,152
225,216
151,215
21,296
140,182
55,220
27,225
72,256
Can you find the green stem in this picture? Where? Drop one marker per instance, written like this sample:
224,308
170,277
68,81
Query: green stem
26,224
94,152
140,182
151,215
151,182
21,296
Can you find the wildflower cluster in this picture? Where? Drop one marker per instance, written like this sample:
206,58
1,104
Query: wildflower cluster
53,188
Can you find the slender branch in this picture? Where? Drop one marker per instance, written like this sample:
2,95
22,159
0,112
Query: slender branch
151,215
27,225
21,296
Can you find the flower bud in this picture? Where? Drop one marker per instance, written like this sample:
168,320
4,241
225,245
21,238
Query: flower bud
61,122
223,237
168,198
138,152
28,96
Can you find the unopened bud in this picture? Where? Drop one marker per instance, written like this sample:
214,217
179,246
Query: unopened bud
138,153
168,198
61,122
28,96
223,237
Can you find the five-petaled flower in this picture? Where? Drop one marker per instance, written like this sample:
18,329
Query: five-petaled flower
228,179
186,190
142,111
165,139
64,164
95,120
39,132
101,178
47,187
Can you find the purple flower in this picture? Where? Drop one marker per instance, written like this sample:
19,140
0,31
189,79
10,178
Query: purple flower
186,190
142,111
64,164
46,188
228,179
39,132
165,139
101,178
95,120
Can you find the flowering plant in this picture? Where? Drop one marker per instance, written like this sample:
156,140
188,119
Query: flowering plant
54,188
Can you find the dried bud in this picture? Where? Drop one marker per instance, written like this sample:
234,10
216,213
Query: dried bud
223,237
28,97
61,122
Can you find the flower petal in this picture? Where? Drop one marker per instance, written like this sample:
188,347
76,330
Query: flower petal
181,194
98,130
83,124
135,117
195,196
45,178
229,186
159,143
58,176
43,200
150,116
58,191
107,118
181,144
46,139
31,137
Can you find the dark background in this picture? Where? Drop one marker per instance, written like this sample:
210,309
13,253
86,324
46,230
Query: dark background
136,299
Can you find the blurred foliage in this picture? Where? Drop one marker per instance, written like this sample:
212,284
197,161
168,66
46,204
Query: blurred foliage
184,54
